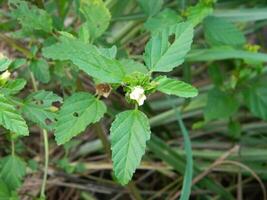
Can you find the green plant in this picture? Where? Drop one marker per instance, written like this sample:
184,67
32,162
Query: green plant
68,41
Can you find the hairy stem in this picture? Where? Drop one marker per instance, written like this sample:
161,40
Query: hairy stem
12,147
46,148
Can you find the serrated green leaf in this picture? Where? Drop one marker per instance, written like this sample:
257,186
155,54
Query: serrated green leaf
129,133
30,17
12,87
220,105
12,171
11,119
162,20
196,14
221,32
37,108
255,96
175,87
78,111
87,58
161,55
40,70
4,63
97,17
151,7
108,52
4,191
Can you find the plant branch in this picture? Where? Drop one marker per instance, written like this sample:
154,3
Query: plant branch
16,46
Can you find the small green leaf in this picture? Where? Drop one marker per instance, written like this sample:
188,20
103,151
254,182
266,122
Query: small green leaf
175,87
162,20
132,66
4,63
13,169
30,17
151,7
97,17
11,119
255,96
13,86
221,32
38,108
161,55
88,58
220,105
129,133
196,14
40,70
78,111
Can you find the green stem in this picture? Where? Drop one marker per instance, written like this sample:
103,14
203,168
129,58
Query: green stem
104,139
46,147
12,147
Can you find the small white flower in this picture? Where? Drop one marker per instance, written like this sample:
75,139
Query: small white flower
5,75
138,94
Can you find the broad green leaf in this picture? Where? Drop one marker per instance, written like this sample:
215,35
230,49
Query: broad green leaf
129,133
84,34
255,96
40,70
87,58
4,191
30,17
221,32
4,63
161,55
78,111
163,20
175,87
38,108
12,87
151,7
13,169
97,17
108,52
196,14
11,119
220,105
132,66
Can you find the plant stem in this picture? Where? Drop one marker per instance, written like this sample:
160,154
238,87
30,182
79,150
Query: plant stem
12,147
104,139
16,46
46,147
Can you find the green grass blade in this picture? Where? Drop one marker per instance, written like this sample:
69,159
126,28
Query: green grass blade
186,189
224,53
